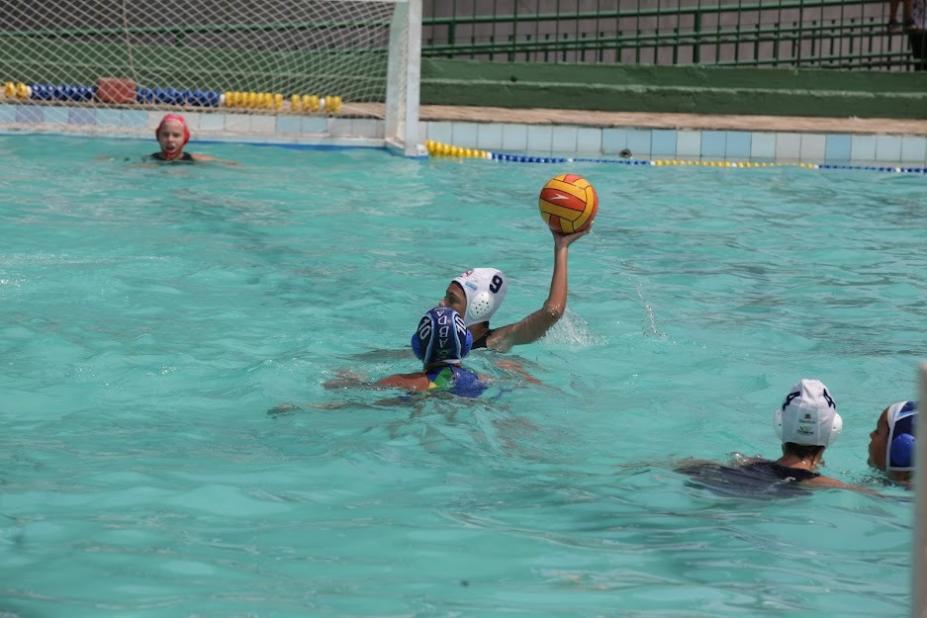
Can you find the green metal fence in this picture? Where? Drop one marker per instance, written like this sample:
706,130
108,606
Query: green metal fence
783,33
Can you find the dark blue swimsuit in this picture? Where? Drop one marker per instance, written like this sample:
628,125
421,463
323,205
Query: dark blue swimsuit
481,342
185,157
455,380
754,479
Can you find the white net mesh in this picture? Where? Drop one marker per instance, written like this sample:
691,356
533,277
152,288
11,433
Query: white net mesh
197,52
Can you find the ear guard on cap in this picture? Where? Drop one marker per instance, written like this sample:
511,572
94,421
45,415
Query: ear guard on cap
836,427
484,289
900,454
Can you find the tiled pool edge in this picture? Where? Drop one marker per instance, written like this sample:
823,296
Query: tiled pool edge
645,143
205,126
528,138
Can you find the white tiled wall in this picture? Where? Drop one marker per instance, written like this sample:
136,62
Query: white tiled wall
206,124
528,139
569,140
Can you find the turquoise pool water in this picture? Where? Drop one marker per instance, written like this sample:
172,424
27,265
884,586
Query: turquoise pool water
150,316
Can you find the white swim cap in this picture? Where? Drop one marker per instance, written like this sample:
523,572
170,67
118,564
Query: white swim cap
485,290
808,416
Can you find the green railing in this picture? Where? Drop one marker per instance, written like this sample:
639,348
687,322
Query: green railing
784,33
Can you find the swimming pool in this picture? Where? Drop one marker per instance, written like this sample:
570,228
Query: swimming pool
152,315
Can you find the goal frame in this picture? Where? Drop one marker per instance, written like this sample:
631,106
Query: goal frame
403,79
99,75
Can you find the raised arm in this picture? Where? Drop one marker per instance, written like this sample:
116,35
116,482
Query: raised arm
417,381
535,325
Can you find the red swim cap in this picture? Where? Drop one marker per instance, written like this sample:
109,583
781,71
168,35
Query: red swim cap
178,118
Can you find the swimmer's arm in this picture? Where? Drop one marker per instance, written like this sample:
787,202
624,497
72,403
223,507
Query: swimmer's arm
691,462
515,367
825,482
417,382
410,381
534,326
208,158
346,379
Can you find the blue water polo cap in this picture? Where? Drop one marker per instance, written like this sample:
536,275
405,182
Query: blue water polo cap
901,418
441,337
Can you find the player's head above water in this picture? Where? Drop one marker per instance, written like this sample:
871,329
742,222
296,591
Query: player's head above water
441,338
807,422
892,443
476,294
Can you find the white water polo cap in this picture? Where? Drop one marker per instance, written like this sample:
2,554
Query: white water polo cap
485,290
808,416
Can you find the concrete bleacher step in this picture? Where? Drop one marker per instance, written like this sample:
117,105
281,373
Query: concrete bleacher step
691,89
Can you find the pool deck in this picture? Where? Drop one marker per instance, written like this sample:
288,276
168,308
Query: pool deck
797,124
534,116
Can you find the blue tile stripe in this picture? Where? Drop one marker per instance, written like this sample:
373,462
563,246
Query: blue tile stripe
837,147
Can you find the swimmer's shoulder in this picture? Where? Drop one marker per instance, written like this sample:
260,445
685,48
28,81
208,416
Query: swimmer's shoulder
776,470
758,477
481,342
203,158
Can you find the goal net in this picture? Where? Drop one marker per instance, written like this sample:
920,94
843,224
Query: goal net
271,56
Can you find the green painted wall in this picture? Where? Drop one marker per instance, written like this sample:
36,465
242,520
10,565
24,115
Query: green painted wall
688,89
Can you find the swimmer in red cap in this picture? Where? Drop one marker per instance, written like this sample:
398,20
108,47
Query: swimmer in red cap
172,135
